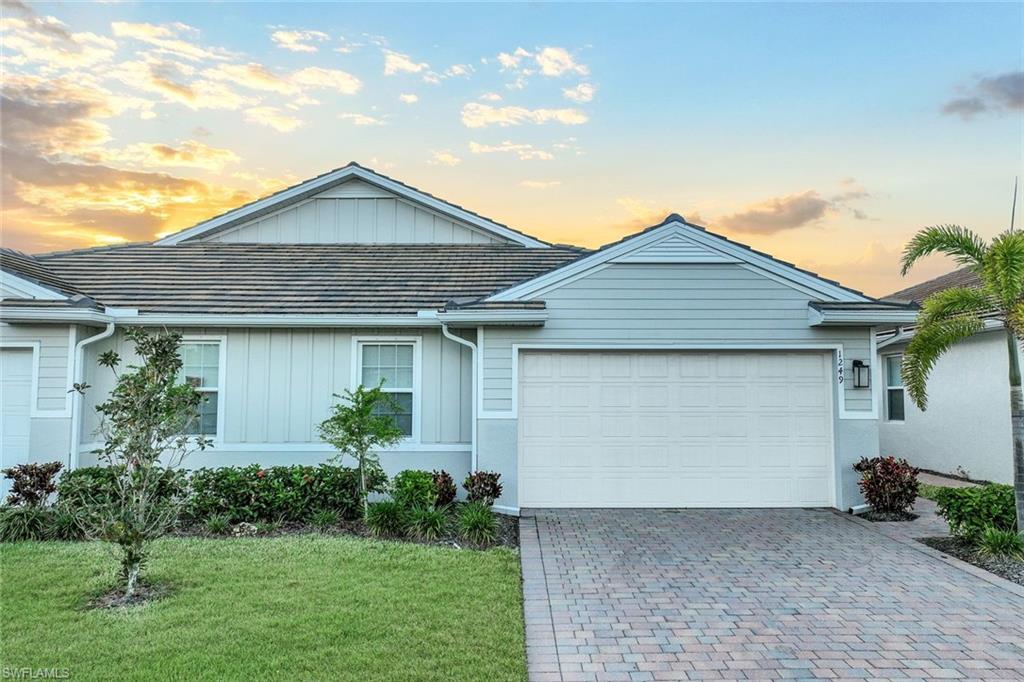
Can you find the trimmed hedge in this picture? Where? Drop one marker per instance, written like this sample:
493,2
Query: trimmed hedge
969,511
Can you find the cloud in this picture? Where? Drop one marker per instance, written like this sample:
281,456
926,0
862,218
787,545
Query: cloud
443,158
556,61
361,119
176,82
510,61
172,39
584,92
540,184
186,154
778,214
995,94
490,97
258,77
475,115
525,152
459,70
876,269
297,40
408,98
272,117
346,46
396,62
29,38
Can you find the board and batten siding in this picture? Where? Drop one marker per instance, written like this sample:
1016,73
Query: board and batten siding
362,214
669,304
280,383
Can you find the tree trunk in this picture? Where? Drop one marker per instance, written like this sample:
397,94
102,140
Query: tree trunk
1017,427
362,484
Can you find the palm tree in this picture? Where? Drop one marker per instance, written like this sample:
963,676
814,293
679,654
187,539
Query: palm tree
955,314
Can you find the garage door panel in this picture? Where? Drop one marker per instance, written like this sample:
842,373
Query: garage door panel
711,429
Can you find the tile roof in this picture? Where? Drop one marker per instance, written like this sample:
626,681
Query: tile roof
329,279
30,268
964,277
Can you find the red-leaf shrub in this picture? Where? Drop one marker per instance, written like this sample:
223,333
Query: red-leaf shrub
482,486
889,485
32,483
444,488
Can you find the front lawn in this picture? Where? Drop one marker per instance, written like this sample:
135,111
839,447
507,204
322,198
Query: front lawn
299,607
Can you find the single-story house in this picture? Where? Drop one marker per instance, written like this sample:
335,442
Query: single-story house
966,429
673,368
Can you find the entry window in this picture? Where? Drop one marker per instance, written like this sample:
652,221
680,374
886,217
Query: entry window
391,363
200,369
894,396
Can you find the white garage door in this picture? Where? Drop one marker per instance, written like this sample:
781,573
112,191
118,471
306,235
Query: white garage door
15,408
675,429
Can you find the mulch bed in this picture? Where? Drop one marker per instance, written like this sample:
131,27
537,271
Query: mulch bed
508,532
886,517
116,599
1011,569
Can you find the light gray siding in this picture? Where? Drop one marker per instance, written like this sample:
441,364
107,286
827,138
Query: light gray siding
662,304
280,383
966,428
348,219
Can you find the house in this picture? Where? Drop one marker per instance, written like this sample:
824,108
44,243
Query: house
672,368
966,429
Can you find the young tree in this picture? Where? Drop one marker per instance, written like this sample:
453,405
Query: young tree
145,428
357,427
957,313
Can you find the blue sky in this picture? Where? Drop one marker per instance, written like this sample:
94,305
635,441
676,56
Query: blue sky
825,134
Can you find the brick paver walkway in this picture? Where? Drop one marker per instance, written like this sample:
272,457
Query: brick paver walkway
753,594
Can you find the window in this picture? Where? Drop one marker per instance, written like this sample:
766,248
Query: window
894,388
392,363
200,369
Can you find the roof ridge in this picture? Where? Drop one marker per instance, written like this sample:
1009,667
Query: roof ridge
932,280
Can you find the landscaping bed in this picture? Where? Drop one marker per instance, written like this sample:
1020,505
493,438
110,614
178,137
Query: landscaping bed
1005,567
286,607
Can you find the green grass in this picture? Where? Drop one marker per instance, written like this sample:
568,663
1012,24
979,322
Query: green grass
299,607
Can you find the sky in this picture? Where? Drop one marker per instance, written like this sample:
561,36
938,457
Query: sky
824,134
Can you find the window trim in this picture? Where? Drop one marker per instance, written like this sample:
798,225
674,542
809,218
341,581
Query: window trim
222,346
886,388
417,374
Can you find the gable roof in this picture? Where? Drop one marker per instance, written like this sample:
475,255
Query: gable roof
299,279
964,277
309,188
708,248
33,275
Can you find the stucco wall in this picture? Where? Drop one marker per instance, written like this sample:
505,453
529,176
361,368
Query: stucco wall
966,427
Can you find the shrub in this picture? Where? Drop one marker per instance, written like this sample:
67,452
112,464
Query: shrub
254,493
426,523
996,542
66,523
324,519
27,522
444,488
482,486
969,511
32,483
889,485
385,519
478,524
82,490
413,489
218,524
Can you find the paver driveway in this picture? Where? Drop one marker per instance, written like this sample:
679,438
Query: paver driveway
753,594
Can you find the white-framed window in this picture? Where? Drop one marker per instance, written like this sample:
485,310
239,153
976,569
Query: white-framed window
894,392
202,368
394,364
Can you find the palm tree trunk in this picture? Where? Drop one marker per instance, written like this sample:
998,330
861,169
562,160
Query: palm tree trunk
1016,427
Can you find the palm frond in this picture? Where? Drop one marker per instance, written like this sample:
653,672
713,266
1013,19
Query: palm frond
955,302
1003,271
929,343
960,243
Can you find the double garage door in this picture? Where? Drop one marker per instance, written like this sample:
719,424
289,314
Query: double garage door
675,429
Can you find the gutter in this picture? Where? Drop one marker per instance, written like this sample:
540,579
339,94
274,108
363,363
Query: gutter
76,398
473,349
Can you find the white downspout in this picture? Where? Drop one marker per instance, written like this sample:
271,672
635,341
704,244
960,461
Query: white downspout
472,347
76,398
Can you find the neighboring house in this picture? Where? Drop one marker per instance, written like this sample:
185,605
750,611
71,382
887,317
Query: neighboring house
672,368
966,428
